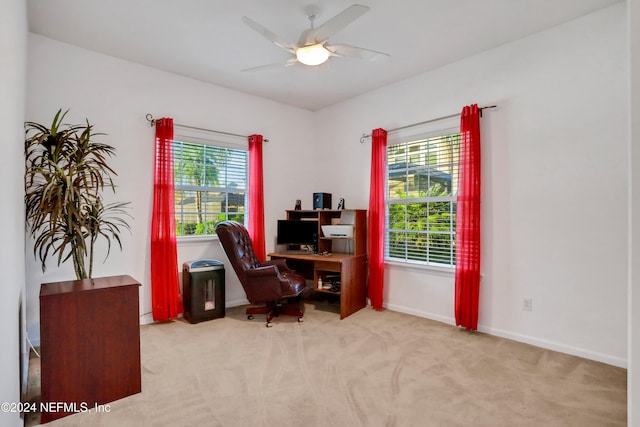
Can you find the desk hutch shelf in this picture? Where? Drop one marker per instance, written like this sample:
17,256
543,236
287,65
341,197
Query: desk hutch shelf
356,245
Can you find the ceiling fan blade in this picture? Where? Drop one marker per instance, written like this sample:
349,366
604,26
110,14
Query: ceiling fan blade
268,34
356,52
289,63
335,24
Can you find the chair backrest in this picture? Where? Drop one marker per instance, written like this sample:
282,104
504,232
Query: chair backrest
236,242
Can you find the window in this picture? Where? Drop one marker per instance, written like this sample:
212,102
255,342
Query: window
422,181
210,186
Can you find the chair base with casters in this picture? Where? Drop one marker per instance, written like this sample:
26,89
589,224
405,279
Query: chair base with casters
270,284
276,309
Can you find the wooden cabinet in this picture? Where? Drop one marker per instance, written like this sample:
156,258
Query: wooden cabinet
89,342
345,257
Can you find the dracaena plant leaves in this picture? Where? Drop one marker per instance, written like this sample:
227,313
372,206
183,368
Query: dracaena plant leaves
65,174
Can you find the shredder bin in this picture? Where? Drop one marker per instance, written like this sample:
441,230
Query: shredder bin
203,290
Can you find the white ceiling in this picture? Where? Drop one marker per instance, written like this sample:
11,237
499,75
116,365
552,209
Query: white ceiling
206,39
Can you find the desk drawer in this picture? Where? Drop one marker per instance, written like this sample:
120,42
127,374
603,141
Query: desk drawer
327,266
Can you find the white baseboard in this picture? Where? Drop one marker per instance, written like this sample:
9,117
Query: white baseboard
538,342
147,318
33,334
236,303
401,309
555,346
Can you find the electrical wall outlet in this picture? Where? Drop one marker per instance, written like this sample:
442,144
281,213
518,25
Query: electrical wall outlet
527,304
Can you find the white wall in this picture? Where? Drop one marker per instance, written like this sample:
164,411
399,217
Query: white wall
13,36
554,182
115,96
633,376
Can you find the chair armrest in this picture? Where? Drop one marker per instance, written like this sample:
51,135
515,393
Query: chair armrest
279,263
263,271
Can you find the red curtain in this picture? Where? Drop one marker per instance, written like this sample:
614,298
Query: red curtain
256,197
165,288
468,221
377,217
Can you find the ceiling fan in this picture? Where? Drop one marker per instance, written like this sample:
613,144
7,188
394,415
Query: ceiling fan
312,47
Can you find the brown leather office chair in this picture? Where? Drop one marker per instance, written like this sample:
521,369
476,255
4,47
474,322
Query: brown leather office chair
271,287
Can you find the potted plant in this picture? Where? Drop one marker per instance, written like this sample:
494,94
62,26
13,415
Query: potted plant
66,172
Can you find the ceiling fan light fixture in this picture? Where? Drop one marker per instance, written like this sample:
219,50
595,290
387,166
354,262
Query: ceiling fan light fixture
314,54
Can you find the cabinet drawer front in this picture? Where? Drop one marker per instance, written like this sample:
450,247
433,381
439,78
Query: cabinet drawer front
328,266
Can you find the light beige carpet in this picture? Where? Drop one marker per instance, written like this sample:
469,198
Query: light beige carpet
371,369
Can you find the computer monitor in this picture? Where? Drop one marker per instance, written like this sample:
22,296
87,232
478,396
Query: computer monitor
297,232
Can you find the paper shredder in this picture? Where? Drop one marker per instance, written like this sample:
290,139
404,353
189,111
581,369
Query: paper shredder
203,290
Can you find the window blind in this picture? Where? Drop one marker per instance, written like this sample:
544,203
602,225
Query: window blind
210,186
422,181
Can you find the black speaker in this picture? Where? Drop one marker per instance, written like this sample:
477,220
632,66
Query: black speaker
321,201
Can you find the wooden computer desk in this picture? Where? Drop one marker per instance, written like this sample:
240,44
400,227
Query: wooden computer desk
353,276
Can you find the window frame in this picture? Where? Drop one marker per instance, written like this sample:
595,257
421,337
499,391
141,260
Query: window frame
207,139
403,143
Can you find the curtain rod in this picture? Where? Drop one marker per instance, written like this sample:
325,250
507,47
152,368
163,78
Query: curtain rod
152,122
365,136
